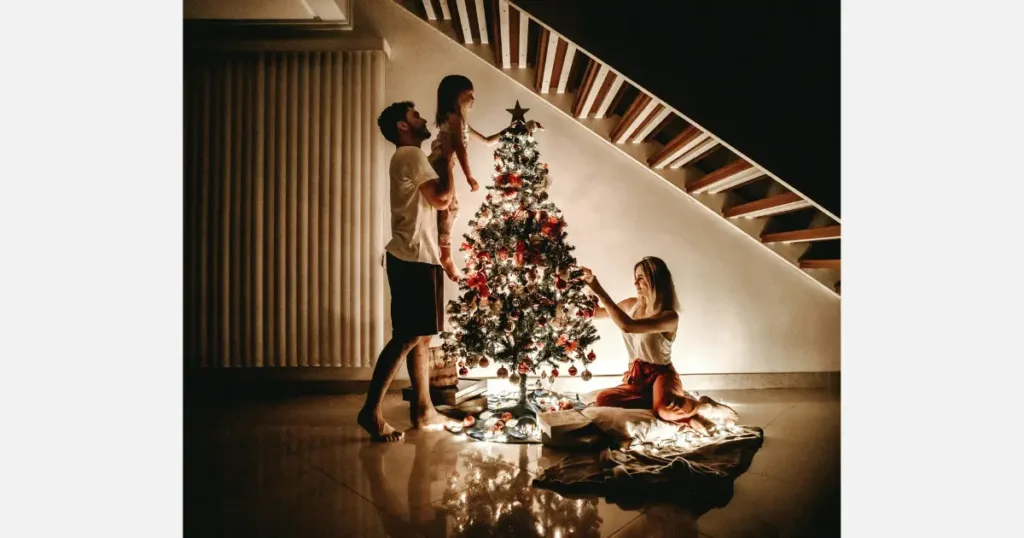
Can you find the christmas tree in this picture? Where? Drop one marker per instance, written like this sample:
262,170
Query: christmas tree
522,303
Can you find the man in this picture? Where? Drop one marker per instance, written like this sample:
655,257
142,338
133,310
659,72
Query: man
414,271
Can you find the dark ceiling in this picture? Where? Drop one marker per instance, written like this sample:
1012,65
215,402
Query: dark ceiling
763,76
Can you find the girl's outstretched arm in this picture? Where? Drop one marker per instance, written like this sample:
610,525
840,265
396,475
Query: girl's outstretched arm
493,139
489,141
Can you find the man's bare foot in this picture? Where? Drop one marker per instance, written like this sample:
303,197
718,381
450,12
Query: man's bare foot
380,431
431,420
449,269
712,410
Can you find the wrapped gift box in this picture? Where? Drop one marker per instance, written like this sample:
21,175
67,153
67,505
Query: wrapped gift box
566,428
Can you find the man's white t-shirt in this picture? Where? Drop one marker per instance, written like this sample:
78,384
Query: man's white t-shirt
413,220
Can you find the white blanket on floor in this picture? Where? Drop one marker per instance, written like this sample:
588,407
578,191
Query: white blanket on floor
654,460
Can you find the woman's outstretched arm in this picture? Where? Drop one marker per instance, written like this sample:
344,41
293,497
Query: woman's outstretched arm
666,321
624,305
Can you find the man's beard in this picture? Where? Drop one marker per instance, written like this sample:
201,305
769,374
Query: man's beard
423,132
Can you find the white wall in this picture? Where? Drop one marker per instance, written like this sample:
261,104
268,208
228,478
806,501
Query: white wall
744,310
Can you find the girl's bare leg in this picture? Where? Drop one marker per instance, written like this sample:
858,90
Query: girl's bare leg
448,264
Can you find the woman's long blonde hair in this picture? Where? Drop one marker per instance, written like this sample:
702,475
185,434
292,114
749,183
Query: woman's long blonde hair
663,290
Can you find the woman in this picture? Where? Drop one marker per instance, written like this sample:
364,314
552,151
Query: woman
649,322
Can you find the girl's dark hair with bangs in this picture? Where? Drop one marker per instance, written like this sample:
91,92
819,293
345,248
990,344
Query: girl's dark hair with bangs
448,96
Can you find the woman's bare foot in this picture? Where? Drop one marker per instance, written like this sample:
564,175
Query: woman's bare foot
431,420
697,424
714,411
380,431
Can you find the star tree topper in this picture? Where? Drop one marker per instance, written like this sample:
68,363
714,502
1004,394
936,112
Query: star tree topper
518,113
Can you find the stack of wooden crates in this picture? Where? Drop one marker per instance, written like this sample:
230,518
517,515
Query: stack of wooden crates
446,389
443,372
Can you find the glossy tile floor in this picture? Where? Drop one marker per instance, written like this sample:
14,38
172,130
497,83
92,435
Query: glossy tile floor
301,467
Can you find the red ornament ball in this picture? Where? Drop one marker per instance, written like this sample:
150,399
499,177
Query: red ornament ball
562,285
554,372
485,362
591,357
463,372
573,370
502,372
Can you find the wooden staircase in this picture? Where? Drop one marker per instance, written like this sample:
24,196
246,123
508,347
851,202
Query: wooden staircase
646,129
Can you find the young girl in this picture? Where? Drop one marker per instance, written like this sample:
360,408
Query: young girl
454,101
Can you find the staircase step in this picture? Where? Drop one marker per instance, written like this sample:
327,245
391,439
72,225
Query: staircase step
690,145
727,177
773,205
640,120
823,233
819,264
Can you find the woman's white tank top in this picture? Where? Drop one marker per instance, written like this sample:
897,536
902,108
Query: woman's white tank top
655,348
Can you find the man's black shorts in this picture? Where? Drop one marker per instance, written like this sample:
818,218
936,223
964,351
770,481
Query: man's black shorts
417,297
